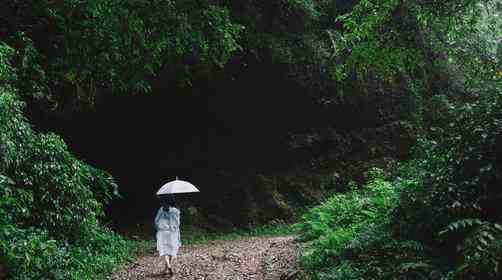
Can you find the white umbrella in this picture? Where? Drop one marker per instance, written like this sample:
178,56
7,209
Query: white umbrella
177,186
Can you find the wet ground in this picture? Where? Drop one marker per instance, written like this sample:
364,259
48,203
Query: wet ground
260,258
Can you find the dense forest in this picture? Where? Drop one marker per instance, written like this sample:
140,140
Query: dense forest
374,125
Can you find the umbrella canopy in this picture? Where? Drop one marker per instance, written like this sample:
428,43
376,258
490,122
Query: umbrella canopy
177,186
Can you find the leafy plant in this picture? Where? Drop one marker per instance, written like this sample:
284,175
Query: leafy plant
114,46
345,225
50,202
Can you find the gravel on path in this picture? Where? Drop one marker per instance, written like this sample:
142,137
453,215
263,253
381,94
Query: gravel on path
257,258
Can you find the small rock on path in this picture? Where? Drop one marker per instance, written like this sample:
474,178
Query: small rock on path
257,258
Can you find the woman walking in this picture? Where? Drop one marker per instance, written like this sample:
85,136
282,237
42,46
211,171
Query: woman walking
167,223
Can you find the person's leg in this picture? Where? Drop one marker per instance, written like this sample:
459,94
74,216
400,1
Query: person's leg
168,264
168,261
171,259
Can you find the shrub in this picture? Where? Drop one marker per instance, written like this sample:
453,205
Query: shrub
50,202
345,225
455,206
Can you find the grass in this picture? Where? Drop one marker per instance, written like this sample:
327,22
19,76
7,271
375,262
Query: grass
191,235
202,237
140,247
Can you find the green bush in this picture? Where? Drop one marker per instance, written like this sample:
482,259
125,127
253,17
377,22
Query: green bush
346,225
376,254
455,206
345,210
50,202
439,219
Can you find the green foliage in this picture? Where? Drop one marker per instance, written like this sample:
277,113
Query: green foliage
376,254
134,39
390,38
350,229
456,204
371,41
356,208
450,200
50,202
194,235
6,70
113,45
445,223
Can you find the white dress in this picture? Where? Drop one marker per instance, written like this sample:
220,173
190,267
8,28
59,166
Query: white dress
168,231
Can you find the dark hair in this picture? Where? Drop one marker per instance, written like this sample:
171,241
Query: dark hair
167,201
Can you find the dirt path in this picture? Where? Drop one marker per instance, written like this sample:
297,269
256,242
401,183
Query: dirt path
243,259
